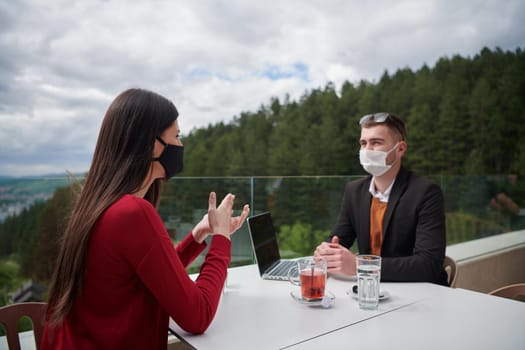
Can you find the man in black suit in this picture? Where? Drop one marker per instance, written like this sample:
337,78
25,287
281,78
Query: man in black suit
393,213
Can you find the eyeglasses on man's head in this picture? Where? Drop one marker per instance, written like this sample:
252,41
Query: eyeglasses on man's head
389,119
375,117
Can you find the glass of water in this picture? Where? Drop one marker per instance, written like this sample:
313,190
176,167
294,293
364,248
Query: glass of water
368,277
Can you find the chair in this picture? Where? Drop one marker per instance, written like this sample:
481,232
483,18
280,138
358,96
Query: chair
512,291
11,314
450,267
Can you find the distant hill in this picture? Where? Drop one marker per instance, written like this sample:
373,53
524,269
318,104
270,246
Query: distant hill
19,193
38,177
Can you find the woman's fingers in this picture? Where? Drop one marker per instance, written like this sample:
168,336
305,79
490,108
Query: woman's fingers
212,201
220,218
227,202
237,221
244,214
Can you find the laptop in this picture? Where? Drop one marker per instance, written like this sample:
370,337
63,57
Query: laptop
264,243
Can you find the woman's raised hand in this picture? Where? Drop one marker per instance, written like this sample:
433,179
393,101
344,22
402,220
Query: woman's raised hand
219,220
236,222
220,217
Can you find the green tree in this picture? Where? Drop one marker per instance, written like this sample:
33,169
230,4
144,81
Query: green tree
40,262
421,139
9,280
300,239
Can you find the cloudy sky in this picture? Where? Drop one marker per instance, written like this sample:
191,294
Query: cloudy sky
63,61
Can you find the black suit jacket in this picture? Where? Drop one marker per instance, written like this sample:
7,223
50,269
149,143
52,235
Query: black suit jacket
414,235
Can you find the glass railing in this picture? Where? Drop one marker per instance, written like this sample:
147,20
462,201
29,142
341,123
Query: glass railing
304,208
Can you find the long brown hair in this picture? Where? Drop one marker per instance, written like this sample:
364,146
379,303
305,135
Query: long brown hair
120,164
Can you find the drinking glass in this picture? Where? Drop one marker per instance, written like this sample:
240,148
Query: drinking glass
368,277
311,278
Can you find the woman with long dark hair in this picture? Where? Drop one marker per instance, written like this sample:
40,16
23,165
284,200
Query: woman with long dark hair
118,276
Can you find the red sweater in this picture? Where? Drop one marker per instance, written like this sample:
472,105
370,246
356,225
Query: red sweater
135,279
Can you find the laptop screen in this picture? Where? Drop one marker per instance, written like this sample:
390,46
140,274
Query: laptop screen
264,240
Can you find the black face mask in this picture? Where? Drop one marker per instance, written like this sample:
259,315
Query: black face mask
171,158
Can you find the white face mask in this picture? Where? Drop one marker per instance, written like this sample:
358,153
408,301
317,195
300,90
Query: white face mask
374,162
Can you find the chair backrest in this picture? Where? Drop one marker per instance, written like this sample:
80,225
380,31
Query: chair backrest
11,314
450,267
513,291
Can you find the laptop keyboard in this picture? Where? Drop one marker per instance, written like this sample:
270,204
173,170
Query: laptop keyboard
283,268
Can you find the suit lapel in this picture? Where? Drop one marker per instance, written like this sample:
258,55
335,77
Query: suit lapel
364,214
398,188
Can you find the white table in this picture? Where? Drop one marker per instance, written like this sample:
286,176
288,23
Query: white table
260,314
458,319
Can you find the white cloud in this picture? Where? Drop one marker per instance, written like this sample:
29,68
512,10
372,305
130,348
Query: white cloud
64,61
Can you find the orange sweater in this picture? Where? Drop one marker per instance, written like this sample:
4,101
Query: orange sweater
377,213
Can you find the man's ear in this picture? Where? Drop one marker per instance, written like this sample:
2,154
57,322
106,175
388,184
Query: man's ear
402,146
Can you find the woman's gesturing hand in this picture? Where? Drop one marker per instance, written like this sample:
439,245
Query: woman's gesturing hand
220,217
219,220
